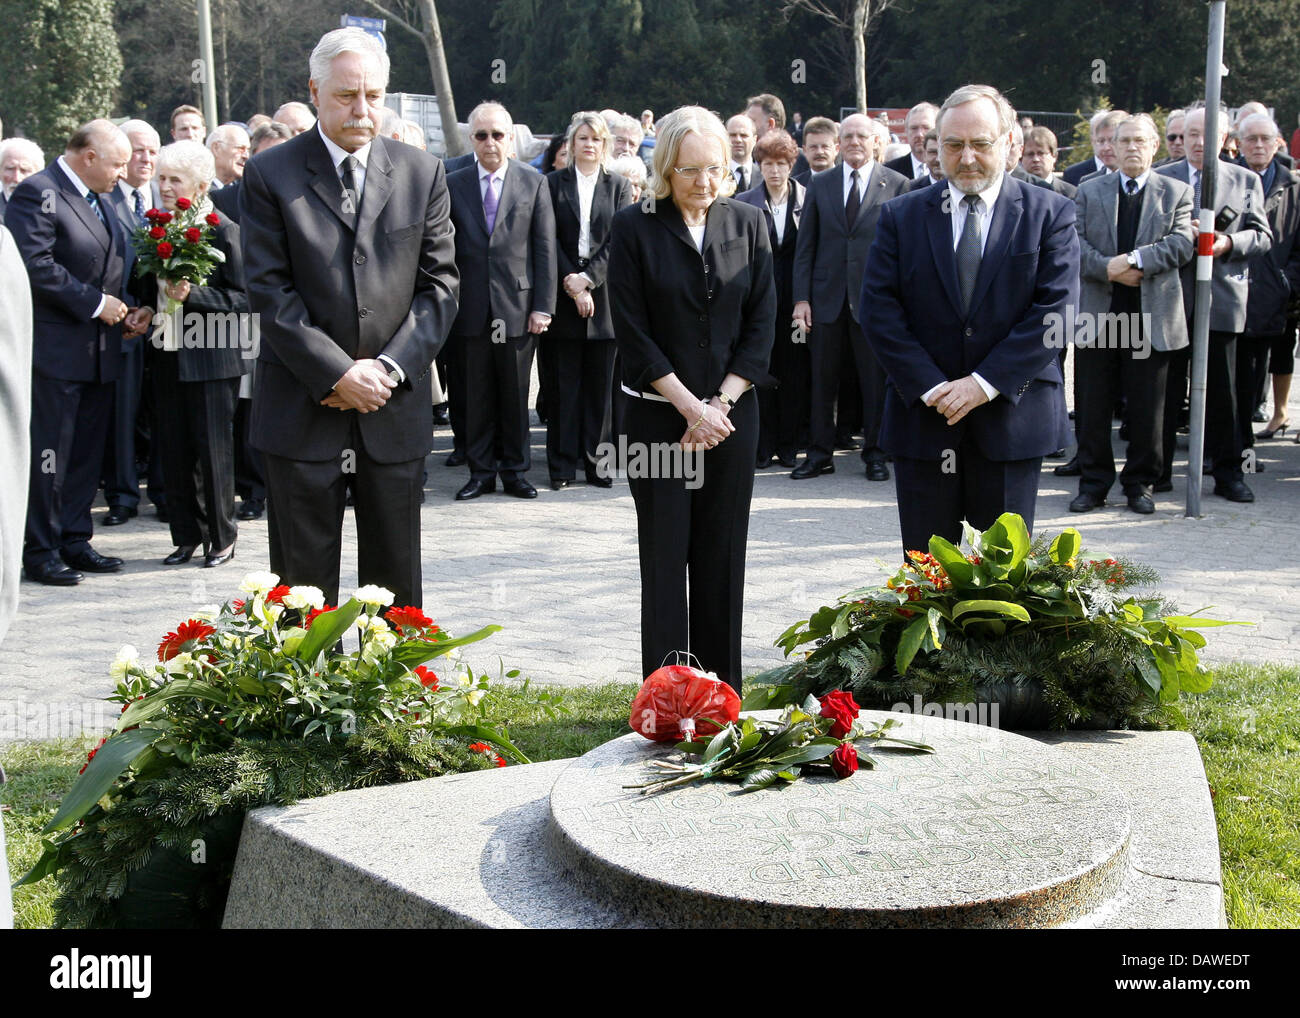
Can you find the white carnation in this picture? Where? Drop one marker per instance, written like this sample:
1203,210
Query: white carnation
258,582
304,597
127,658
474,696
374,595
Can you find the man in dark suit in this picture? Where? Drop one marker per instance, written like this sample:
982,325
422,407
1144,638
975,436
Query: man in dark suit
820,148
767,112
1039,160
1245,234
961,285
919,122
840,214
505,252
74,248
135,194
935,173
1135,234
348,252
1101,129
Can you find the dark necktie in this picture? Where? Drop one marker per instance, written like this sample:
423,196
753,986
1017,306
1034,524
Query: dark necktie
853,202
139,207
93,199
1196,189
740,179
351,194
968,250
1132,187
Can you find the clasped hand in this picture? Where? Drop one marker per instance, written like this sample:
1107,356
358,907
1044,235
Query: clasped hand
957,398
1118,270
364,388
712,429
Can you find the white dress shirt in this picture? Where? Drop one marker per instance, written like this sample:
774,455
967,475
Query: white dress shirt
778,215
80,186
586,194
749,168
129,193
957,216
864,173
919,167
697,235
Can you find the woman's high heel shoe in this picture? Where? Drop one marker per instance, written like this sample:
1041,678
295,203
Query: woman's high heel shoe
181,555
1277,432
217,558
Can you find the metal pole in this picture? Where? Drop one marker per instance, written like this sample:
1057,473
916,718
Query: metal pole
209,67
1204,259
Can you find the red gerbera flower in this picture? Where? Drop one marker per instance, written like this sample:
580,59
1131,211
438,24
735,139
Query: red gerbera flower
427,678
237,606
312,613
479,747
276,594
187,634
410,618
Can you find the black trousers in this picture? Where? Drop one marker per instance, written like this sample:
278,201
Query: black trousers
1101,376
692,540
578,374
1223,439
70,424
829,342
495,405
783,411
121,451
250,479
934,496
452,362
306,506
196,435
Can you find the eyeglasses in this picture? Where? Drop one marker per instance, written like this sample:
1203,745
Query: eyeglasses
712,172
484,135
1173,137
980,146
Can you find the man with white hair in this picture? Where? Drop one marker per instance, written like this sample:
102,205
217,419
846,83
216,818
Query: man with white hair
74,248
1101,130
961,286
628,136
349,256
920,120
296,116
19,159
229,145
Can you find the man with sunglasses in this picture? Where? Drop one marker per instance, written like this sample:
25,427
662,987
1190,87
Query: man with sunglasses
1173,138
505,251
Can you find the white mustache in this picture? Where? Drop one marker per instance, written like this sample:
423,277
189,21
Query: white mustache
365,123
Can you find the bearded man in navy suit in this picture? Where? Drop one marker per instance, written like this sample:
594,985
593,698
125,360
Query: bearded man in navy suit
963,286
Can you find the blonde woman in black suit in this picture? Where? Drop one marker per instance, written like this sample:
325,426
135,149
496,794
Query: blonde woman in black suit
580,343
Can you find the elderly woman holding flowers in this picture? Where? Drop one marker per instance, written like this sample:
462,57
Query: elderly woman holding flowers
198,352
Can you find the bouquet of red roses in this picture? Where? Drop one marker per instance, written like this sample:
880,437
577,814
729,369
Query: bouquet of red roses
176,246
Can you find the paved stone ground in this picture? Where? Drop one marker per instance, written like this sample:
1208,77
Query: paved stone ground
560,574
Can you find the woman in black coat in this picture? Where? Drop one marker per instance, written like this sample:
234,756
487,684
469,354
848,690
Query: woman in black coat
197,357
694,306
579,360
783,412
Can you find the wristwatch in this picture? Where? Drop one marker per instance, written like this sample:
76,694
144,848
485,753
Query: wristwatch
726,399
1132,259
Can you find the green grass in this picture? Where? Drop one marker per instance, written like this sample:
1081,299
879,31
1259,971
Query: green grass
1247,727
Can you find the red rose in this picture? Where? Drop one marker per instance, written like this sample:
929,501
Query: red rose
164,250
840,706
153,214
844,761
182,203
212,219
427,678
194,630
164,218
157,233
194,235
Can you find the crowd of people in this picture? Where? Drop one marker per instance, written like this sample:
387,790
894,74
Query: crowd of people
656,272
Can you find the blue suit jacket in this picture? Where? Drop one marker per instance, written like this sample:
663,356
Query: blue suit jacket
911,315
72,260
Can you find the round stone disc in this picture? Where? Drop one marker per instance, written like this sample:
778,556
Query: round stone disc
991,830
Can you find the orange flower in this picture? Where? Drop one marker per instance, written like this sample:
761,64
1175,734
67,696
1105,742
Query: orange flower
186,636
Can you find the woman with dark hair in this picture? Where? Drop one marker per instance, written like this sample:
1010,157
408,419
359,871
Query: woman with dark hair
690,279
556,156
783,413
579,344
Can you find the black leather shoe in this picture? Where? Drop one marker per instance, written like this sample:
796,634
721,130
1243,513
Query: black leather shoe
789,462
91,561
217,558
1161,486
181,555
560,483
596,481
441,415
475,488
119,514
1235,491
1142,504
1085,502
54,574
877,471
457,459
847,442
519,488
251,509
762,462
811,468
1071,469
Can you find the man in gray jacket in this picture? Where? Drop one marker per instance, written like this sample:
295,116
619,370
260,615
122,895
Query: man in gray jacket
1135,233
1240,234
